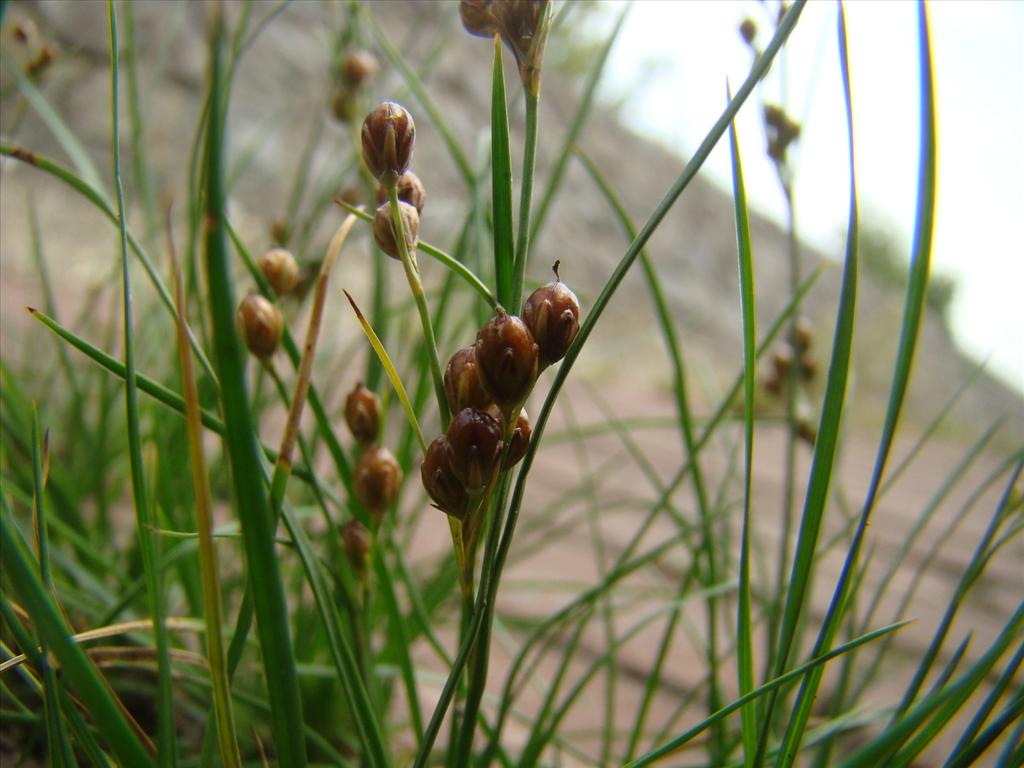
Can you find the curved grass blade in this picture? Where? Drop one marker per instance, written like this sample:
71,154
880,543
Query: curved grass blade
251,499
166,741
826,443
505,265
392,373
744,640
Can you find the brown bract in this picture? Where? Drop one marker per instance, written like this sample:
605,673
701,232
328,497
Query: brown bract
552,313
362,414
377,480
260,323
440,482
474,448
388,136
507,358
384,229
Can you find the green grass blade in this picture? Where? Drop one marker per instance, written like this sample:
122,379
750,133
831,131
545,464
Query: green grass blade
166,740
827,440
744,639
1010,715
251,500
501,188
772,685
76,668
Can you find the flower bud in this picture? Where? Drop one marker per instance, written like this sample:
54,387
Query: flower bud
362,414
358,66
506,357
280,269
518,443
388,136
410,190
356,540
462,384
552,313
260,323
440,482
748,31
280,231
474,448
477,17
384,229
378,478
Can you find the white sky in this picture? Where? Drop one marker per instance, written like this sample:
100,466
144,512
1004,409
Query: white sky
672,60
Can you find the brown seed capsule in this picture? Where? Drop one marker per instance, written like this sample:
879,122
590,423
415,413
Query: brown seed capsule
804,333
410,190
552,313
524,25
280,269
356,540
384,230
772,383
378,478
518,443
440,482
280,231
260,323
474,448
344,104
782,359
462,385
506,357
477,17
362,414
388,136
808,366
748,31
358,66
806,431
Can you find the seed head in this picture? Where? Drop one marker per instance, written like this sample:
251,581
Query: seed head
804,333
378,479
518,443
808,366
552,313
410,190
358,66
362,414
279,267
462,384
477,17
474,448
260,323
524,27
388,135
440,482
506,355
356,540
384,229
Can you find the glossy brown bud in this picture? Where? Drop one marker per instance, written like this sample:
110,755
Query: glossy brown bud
358,66
474,448
477,17
378,479
260,323
362,414
462,385
388,136
748,31
356,540
384,229
280,269
410,190
518,443
552,313
440,482
506,357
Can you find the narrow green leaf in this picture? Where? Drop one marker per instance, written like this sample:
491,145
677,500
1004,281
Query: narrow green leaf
501,187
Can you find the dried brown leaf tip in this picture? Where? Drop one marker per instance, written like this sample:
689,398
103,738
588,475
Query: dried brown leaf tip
552,313
362,414
281,270
440,482
384,229
378,479
507,357
260,323
410,190
473,448
388,136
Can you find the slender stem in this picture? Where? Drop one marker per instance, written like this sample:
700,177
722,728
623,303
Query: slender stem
525,199
412,274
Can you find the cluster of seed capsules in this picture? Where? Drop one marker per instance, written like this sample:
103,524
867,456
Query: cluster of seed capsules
486,385
789,353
